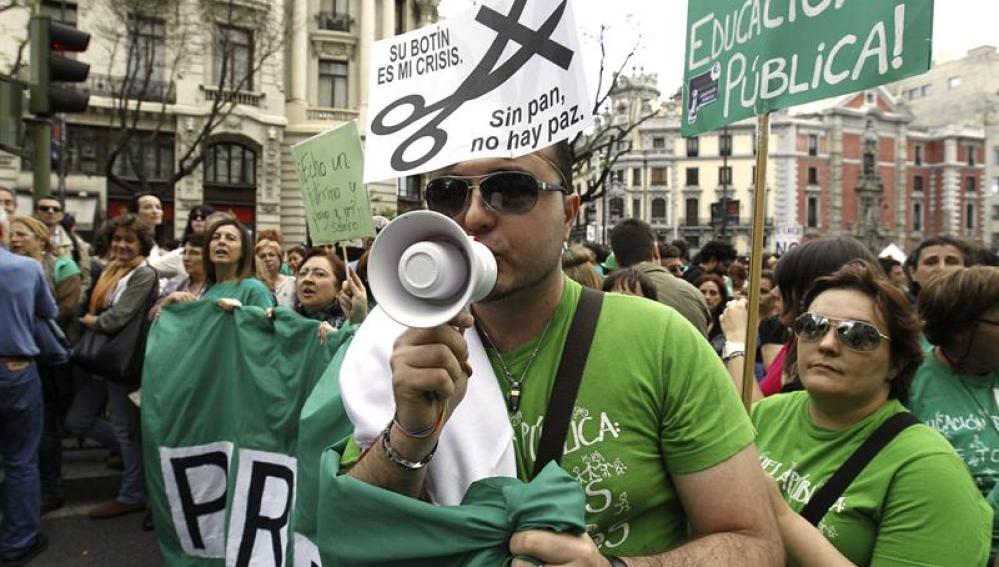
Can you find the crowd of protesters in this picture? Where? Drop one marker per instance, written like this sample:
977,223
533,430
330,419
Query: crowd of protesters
846,342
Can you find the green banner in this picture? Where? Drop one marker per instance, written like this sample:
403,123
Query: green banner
330,170
748,57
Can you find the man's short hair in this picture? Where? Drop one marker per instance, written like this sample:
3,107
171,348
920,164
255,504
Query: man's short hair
632,241
953,301
887,263
564,160
38,200
716,250
669,251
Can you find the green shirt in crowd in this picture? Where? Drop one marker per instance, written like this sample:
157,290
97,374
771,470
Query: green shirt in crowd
654,401
249,291
962,408
914,504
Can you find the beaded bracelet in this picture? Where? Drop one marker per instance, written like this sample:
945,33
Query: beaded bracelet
399,460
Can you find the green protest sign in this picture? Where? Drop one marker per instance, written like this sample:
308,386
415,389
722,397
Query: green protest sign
330,171
749,57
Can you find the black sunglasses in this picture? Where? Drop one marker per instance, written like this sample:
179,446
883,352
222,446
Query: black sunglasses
47,209
506,192
856,335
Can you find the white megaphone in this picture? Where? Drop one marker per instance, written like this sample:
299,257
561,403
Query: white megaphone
424,269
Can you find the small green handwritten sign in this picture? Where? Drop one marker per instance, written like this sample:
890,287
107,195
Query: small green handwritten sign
330,169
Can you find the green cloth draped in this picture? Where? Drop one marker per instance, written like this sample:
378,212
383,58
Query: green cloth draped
365,526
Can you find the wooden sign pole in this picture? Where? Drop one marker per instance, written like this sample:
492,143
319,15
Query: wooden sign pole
756,256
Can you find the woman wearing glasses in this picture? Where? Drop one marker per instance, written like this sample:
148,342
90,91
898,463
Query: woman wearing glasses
914,503
954,390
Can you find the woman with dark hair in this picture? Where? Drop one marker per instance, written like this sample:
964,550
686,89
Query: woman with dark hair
121,294
149,208
228,262
187,288
296,255
716,296
630,281
914,503
325,292
171,264
954,390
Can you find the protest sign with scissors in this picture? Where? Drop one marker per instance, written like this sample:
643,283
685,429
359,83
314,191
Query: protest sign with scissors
501,80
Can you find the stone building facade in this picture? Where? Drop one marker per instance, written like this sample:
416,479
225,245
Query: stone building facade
313,78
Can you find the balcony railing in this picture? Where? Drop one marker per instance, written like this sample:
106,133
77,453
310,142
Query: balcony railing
330,114
236,97
109,86
334,21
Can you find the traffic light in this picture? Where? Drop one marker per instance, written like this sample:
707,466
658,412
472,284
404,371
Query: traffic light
11,103
47,67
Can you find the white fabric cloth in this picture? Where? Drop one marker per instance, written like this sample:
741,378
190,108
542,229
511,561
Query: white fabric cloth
477,441
285,292
168,264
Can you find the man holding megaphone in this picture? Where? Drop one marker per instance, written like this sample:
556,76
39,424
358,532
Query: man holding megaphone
646,418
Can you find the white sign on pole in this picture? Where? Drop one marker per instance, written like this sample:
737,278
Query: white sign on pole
591,232
501,80
787,237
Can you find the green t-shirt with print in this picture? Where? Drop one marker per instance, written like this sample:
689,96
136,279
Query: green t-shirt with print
963,409
655,400
913,504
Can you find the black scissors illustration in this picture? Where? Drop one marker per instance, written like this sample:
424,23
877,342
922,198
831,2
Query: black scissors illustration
480,81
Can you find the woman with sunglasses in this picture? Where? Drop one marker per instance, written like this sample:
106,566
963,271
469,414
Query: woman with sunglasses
954,389
914,503
171,264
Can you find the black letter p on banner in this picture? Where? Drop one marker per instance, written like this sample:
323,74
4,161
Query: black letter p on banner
195,481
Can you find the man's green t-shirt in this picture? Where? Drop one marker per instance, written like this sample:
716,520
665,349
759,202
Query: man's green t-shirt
913,504
654,401
963,409
248,291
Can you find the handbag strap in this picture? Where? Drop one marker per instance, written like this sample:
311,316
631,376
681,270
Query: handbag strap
825,497
567,379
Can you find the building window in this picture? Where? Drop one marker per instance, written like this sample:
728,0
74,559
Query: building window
659,210
813,175
234,58
147,52
969,184
725,175
658,176
636,176
812,217
693,179
636,208
969,216
972,150
917,216
693,146
617,176
60,11
231,165
995,155
147,158
995,212
917,183
725,145
813,144
334,15
83,150
658,143
954,82
616,209
333,84
411,188
690,212
918,157
869,97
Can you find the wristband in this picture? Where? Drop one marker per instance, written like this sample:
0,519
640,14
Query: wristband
427,431
734,354
400,461
731,347
615,561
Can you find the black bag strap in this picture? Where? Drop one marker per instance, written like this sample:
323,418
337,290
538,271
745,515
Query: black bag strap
825,497
567,379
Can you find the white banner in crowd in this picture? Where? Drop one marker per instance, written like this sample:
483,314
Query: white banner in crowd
500,80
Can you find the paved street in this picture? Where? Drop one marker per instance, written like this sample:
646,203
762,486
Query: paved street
75,539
